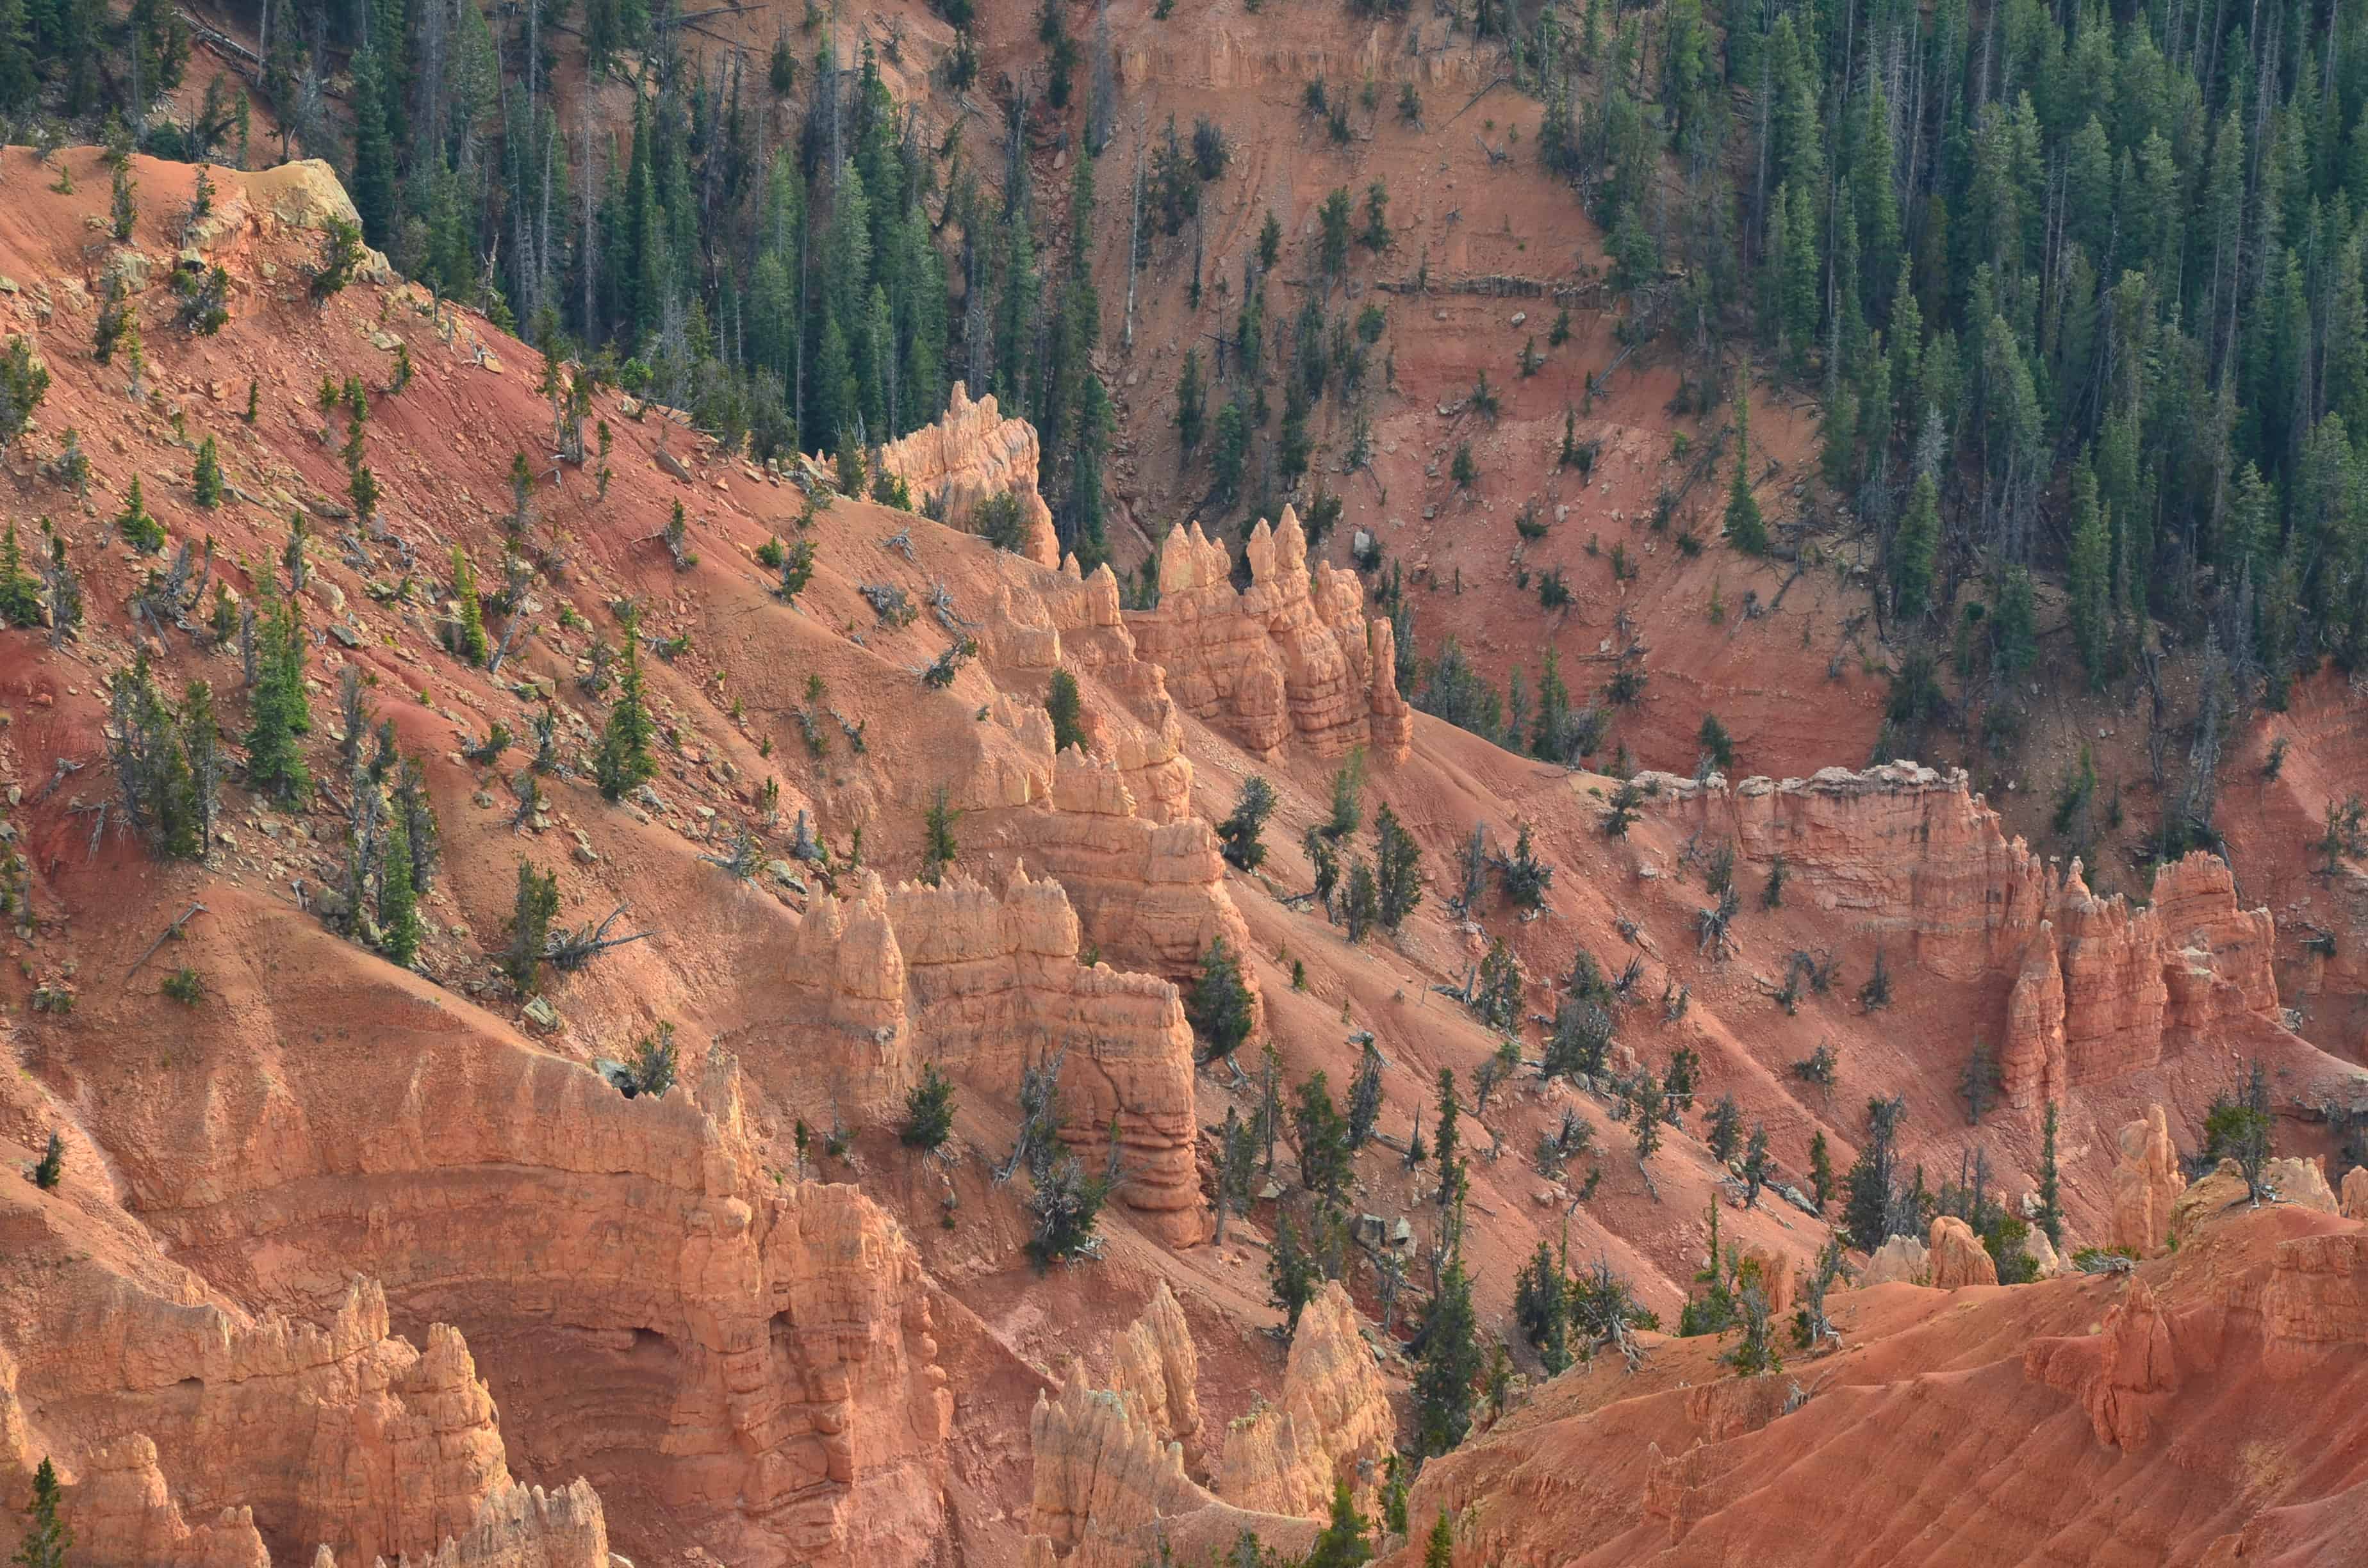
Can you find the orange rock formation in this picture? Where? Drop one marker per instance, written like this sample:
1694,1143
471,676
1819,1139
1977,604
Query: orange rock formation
1292,656
1334,1412
973,454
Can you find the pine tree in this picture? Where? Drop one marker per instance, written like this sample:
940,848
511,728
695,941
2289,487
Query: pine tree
532,910
20,590
1191,407
1916,548
1365,1096
1451,1365
1745,528
1723,1129
1445,1142
1237,836
121,210
374,153
2050,1205
1219,1007
1322,1134
50,1169
1398,869
938,847
2090,582
275,764
1438,1546
400,931
1292,1276
1346,1539
1237,1168
1872,1190
1821,1170
467,637
207,482
623,763
1756,1165
1650,1102
46,1536
141,531
1067,709
928,1110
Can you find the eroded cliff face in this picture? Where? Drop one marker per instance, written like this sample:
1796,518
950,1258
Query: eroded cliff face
970,455
1291,657
2096,987
1334,1411
659,1312
1114,1468
189,1434
984,984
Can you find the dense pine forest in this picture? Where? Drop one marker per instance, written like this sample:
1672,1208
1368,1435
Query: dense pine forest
2080,289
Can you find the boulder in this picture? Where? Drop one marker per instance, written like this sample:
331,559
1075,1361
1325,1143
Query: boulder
1958,1258
1902,1260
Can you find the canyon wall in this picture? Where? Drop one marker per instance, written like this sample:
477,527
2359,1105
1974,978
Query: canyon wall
160,1407
753,1355
2097,987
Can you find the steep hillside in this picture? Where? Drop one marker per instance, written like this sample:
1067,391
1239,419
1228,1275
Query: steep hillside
391,1208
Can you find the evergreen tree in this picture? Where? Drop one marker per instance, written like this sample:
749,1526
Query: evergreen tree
1724,1129
1365,1096
468,635
1237,836
1451,1365
2050,1205
20,590
138,529
1191,401
928,1110
1292,1278
1397,870
1871,1202
534,907
279,714
2089,581
1821,1170
1438,1546
1067,709
1346,1539
1322,1134
398,903
1220,1009
1745,528
47,1538
938,847
1649,1103
1915,547
121,210
623,763
207,482
1446,1144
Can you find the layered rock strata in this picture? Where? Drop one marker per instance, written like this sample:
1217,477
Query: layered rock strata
271,1434
984,984
2099,986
